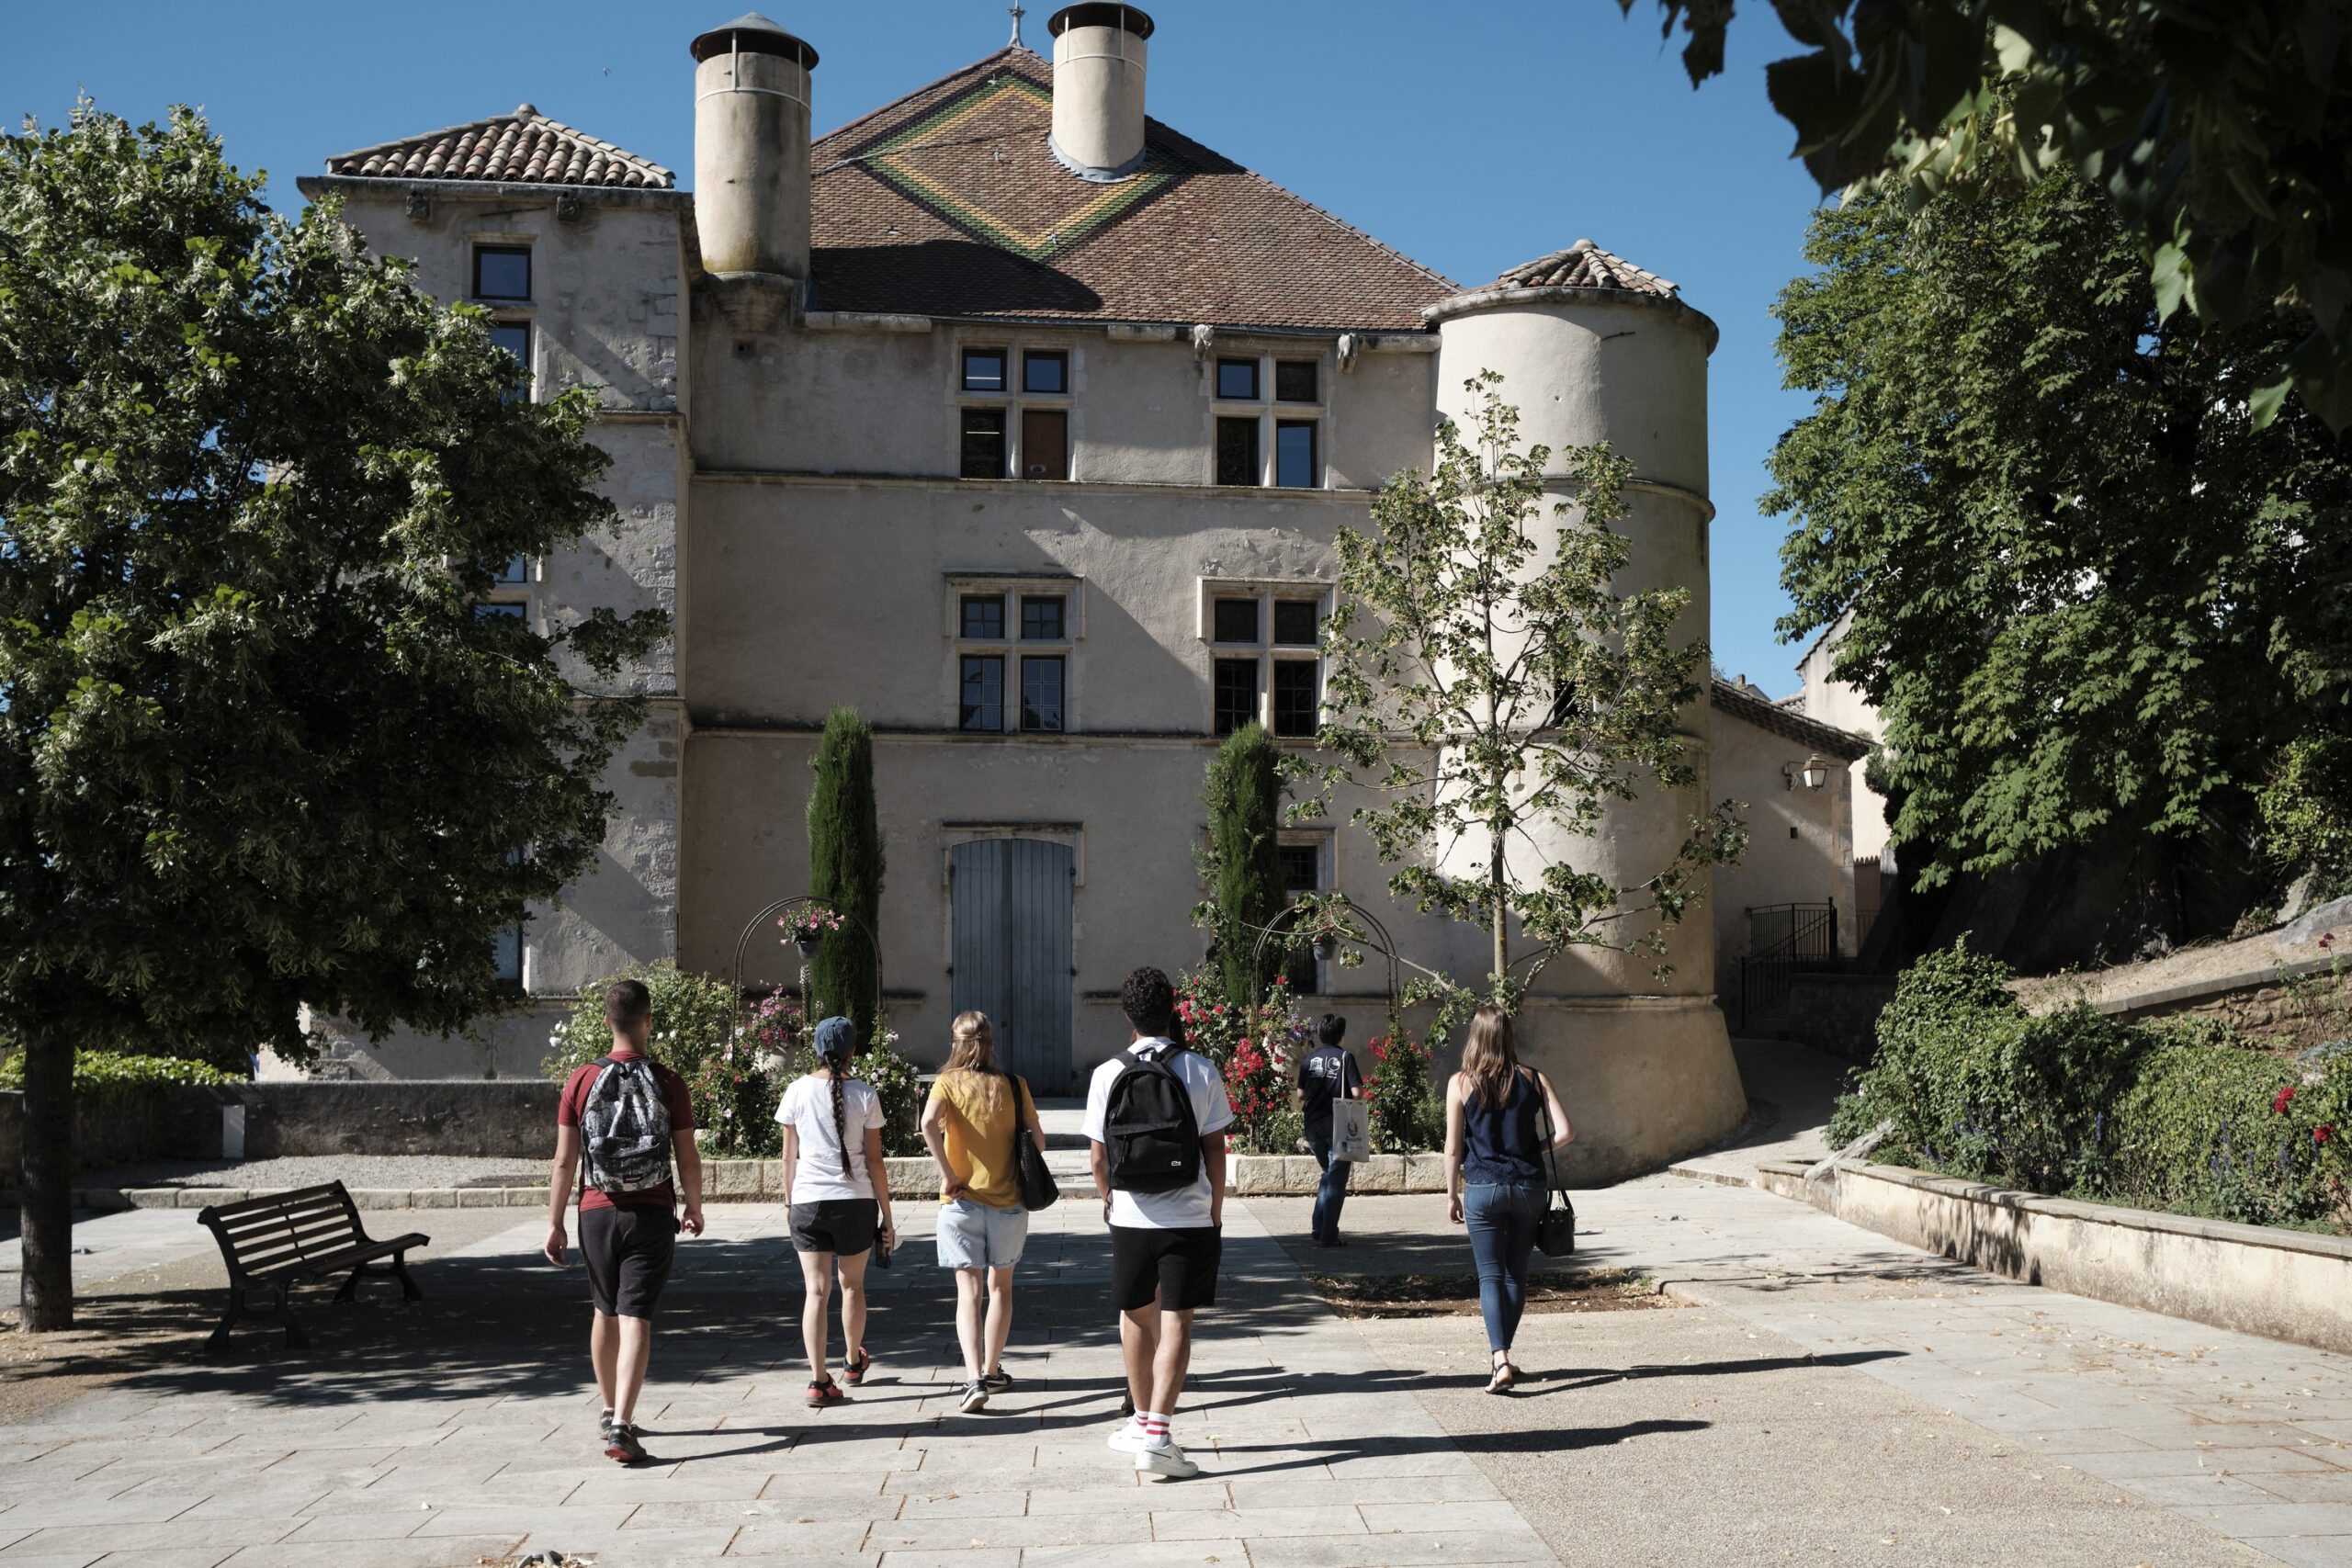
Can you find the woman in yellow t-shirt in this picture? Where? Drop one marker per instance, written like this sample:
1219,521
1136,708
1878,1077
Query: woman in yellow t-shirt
970,1124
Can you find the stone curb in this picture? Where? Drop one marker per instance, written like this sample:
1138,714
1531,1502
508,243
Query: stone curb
2286,1284
755,1181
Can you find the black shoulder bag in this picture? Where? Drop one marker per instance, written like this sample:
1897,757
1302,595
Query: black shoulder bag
1555,1233
1039,1189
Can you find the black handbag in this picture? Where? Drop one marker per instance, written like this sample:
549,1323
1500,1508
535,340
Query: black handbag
1039,1187
1555,1233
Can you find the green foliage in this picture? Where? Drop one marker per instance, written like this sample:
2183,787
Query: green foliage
1244,794
257,746
899,1087
1488,682
2186,1115
2089,598
1406,1112
845,866
694,1020
2307,811
2217,131
111,1072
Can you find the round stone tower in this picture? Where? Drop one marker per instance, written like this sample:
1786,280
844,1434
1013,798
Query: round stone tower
752,147
1591,348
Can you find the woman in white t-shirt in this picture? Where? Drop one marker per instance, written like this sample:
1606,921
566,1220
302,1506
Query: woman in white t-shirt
835,1188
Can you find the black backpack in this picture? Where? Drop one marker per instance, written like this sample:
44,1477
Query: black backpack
1149,1134
625,1128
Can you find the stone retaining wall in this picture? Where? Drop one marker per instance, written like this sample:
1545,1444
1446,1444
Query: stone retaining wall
2256,1278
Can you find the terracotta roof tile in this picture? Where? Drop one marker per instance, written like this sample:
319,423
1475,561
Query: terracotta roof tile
1585,265
1748,703
524,147
948,203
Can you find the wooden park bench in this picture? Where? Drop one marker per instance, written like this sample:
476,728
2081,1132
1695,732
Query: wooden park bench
270,1243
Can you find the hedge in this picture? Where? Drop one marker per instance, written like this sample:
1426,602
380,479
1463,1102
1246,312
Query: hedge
111,1072
2189,1116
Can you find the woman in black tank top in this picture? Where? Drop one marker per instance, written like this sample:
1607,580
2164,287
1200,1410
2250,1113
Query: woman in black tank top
1494,1173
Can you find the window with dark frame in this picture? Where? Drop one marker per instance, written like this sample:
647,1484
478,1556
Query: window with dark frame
1040,694
1237,450
1041,619
1045,372
1236,687
983,443
1236,380
1297,622
1297,699
984,617
515,573
1294,461
1234,620
495,612
502,272
515,337
1294,381
984,370
982,702
1302,872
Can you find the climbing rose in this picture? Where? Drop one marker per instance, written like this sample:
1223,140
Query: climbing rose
2322,1132
2285,1095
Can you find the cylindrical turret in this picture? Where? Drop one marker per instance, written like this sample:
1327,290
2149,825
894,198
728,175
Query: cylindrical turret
752,147
1098,89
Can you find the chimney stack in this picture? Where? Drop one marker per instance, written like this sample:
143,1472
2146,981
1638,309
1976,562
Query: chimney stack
1098,89
752,147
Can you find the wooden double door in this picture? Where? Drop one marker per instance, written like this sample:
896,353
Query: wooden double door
1009,908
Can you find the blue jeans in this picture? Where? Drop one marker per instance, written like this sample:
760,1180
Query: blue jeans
1501,1218
1330,1192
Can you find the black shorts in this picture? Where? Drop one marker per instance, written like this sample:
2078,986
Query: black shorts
627,1248
844,1226
1178,1266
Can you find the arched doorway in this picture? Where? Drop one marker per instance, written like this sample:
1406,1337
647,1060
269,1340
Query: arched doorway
1013,936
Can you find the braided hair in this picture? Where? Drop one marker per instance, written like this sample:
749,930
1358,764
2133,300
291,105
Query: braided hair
836,1041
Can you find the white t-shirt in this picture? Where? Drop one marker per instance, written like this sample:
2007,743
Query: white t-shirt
808,1109
1187,1208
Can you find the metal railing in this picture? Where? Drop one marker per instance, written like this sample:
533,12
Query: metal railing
1782,940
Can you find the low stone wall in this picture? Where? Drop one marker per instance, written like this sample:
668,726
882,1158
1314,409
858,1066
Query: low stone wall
2256,1278
1837,1013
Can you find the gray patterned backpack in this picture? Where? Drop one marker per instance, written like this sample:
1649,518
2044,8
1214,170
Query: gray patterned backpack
625,1128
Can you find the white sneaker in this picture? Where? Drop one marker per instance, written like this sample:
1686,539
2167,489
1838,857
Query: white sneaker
1128,1439
1166,1460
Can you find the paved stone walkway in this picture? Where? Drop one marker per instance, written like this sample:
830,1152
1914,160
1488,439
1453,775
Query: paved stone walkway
1834,1398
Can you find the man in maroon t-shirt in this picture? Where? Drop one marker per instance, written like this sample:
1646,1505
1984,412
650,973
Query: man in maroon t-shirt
626,1238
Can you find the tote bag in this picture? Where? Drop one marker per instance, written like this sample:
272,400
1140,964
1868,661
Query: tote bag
1350,1130
1555,1233
1039,1188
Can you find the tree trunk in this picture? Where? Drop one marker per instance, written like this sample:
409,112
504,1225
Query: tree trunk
1501,912
47,1217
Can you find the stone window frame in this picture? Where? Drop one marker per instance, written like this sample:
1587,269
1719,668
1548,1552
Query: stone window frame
1016,346
1325,842
1271,411
1013,587
505,311
1267,653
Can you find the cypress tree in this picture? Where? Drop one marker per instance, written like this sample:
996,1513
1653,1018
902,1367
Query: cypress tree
1245,810
845,866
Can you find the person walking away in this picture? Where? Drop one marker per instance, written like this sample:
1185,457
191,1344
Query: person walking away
1155,1119
631,1118
970,1124
1495,1182
1325,1073
836,1191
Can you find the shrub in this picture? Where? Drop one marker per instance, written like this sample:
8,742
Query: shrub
104,1073
1244,799
1255,1054
1406,1111
694,1020
2188,1115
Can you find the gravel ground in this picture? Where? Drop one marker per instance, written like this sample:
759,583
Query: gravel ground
309,1170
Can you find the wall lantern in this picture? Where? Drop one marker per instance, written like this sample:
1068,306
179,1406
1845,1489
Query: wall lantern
1813,772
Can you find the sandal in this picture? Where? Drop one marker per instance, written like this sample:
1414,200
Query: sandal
853,1370
1505,1377
825,1393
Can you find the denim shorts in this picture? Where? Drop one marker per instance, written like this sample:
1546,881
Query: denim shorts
973,1236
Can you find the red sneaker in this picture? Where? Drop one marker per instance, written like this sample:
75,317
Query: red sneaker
853,1369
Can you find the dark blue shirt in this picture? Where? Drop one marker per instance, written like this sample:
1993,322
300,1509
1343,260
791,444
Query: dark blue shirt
1502,1143
1325,1073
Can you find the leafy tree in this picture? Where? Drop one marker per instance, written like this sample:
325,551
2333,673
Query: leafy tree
1487,680
257,746
1244,794
2090,595
2218,130
846,867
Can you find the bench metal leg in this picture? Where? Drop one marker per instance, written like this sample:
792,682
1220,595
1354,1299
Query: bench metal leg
295,1338
407,1283
278,1312
396,1269
220,1338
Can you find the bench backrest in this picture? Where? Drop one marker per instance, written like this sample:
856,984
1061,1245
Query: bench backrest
286,1227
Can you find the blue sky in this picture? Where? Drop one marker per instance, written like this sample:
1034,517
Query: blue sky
1472,136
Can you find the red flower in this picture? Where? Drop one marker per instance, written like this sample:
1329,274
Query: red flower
2322,1132
2326,940
2285,1095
